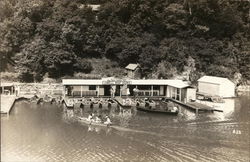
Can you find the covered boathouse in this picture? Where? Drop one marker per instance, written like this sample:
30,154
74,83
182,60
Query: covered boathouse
176,89
216,86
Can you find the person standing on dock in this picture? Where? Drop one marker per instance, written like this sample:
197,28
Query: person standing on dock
128,92
135,91
112,91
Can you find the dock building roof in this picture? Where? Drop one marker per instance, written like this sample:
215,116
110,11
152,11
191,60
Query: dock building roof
132,66
213,79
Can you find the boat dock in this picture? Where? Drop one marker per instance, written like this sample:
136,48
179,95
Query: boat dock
197,107
7,102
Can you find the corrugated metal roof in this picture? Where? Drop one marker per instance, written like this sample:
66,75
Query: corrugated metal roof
213,79
132,66
173,83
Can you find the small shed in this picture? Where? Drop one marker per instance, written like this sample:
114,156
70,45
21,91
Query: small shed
216,86
133,71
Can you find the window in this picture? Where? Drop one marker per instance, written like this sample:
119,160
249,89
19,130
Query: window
92,87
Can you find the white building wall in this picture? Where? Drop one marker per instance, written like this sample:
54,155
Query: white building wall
227,90
191,94
85,88
209,88
76,88
101,91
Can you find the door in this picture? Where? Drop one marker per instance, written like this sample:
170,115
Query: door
107,90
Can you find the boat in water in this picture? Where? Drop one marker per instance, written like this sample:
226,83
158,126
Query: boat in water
159,111
146,103
86,121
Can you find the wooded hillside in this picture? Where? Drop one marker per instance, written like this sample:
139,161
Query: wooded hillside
166,37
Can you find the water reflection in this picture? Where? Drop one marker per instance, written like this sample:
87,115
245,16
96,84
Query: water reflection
53,133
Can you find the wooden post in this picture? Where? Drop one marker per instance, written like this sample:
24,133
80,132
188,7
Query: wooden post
121,88
175,96
81,91
98,91
2,90
180,94
64,91
170,92
196,111
152,90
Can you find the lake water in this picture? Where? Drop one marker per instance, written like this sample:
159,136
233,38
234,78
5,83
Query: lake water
48,132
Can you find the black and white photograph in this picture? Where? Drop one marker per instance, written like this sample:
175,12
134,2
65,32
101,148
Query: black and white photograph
125,80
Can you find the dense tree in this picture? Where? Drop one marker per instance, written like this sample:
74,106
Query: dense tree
55,37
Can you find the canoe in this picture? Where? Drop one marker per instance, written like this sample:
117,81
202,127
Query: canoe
84,120
157,111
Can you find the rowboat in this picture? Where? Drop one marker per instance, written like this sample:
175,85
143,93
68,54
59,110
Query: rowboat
86,121
169,112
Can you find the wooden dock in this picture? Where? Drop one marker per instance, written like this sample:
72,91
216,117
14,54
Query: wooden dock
198,107
7,102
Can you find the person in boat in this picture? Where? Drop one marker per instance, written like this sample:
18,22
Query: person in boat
174,109
108,121
90,117
98,119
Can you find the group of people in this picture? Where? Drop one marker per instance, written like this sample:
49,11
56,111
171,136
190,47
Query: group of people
98,119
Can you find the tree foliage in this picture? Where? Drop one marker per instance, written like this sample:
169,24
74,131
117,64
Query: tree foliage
55,37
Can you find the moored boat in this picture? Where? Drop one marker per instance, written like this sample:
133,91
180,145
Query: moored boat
160,111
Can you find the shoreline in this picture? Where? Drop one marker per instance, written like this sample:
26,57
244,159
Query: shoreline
243,88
